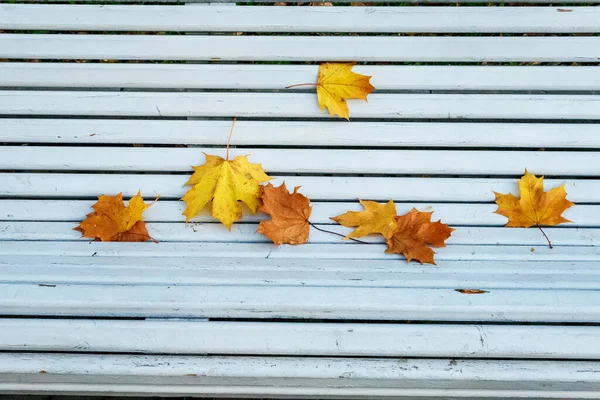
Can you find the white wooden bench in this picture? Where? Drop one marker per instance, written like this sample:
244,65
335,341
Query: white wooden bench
208,312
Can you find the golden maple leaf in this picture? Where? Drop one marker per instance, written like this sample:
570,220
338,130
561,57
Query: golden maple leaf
111,221
336,83
534,207
375,218
289,215
415,233
224,183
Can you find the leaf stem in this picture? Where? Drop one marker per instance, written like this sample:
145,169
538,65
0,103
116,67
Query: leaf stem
544,233
229,139
301,84
335,233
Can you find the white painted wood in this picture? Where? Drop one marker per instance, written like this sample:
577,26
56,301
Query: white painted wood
245,233
264,251
300,339
331,161
305,302
300,48
171,211
300,133
305,377
299,105
346,188
275,77
299,19
196,270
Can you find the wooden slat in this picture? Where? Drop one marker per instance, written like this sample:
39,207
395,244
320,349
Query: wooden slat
299,19
276,77
171,211
295,377
434,162
253,302
262,251
299,105
390,272
298,339
299,48
246,233
316,188
300,133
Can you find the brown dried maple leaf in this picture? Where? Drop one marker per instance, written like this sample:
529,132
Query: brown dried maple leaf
535,206
415,233
111,221
289,215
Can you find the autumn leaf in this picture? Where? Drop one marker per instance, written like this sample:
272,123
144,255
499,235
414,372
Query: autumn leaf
111,221
289,215
225,183
535,206
375,218
336,83
415,233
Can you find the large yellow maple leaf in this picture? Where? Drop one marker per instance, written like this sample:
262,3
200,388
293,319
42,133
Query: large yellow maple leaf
111,221
375,218
225,183
535,207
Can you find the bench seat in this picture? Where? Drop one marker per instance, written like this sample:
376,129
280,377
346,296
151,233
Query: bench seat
103,99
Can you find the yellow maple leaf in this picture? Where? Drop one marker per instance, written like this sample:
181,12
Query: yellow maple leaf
111,221
535,207
375,218
336,83
225,183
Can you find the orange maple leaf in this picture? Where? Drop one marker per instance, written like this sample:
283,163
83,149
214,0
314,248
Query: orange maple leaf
289,215
415,233
375,218
111,221
534,207
336,83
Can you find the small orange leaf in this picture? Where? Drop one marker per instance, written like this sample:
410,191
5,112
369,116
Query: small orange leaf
111,221
415,233
289,215
375,218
